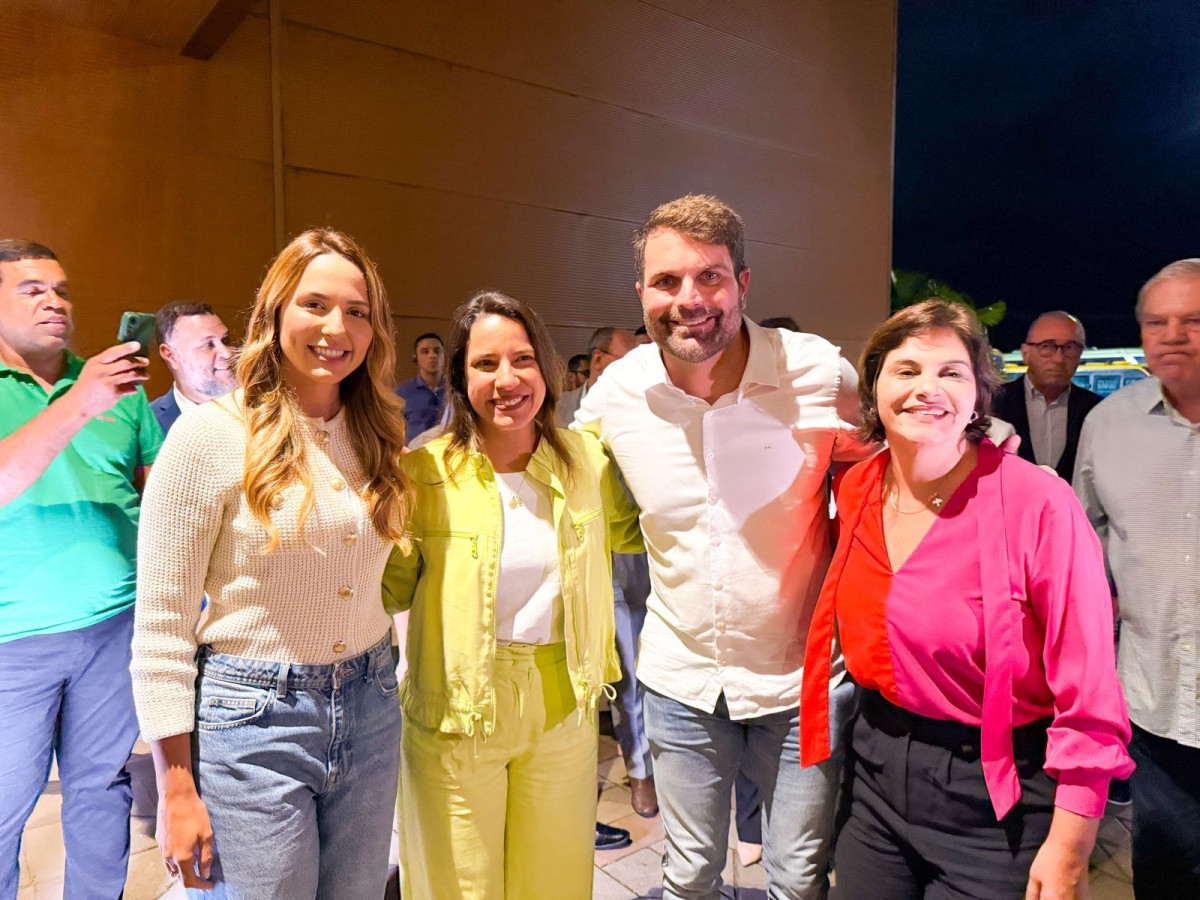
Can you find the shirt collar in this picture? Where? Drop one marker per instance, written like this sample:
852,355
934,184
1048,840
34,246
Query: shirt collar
542,466
1156,402
70,372
762,364
1149,396
181,401
1032,393
418,380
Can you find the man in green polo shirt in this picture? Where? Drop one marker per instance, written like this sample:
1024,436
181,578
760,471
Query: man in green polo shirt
76,439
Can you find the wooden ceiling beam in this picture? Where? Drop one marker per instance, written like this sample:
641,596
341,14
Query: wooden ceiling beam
192,28
222,20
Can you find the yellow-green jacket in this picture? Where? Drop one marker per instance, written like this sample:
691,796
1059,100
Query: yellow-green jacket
449,580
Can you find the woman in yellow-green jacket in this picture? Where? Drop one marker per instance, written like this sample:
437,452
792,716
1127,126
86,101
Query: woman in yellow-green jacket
510,637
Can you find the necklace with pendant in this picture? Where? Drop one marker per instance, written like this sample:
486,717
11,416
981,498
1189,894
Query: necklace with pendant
893,496
515,500
935,501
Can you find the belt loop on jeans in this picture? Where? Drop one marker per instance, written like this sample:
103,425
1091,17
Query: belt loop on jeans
281,681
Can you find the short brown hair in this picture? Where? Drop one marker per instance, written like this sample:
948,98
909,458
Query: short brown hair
914,320
170,313
701,217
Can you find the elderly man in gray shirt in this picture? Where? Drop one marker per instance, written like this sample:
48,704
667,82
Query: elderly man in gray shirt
1138,476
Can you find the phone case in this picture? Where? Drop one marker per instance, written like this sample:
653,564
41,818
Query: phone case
137,326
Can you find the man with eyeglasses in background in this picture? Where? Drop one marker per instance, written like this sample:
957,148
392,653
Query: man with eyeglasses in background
1045,408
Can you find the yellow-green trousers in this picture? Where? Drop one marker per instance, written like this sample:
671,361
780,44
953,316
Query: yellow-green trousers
511,817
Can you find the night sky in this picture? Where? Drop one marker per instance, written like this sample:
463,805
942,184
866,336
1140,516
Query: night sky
1048,153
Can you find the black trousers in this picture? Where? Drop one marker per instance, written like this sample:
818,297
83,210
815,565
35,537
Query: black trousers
1166,818
919,824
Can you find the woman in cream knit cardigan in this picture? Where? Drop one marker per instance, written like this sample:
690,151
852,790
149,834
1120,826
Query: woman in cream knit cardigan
281,502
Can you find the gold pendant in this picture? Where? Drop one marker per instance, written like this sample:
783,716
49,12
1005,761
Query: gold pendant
514,501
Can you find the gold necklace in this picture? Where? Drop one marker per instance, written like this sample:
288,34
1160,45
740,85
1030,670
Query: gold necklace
935,501
515,500
893,496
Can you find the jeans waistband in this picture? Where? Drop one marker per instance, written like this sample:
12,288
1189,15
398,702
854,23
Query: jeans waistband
1029,740
269,674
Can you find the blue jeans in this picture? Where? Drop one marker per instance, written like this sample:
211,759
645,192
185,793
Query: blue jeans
298,766
696,759
631,586
69,694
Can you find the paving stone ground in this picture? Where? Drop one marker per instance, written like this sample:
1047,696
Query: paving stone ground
632,873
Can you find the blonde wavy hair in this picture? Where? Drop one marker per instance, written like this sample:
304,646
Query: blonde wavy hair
275,454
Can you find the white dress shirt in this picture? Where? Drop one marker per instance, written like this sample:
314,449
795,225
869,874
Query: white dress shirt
1047,424
1137,474
734,512
181,401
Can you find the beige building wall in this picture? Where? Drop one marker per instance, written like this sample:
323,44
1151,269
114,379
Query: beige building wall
148,173
468,145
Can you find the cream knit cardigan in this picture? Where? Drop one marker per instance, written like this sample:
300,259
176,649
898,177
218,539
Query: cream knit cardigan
315,600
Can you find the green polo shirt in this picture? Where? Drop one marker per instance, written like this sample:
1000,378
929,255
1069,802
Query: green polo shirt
69,542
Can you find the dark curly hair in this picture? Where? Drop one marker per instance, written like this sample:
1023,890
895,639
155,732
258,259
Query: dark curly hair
913,320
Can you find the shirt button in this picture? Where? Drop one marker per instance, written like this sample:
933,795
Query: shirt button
277,502
339,647
712,499
337,484
716,541
349,538
346,593
322,438
719,585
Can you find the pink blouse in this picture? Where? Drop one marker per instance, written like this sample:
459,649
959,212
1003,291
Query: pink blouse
922,635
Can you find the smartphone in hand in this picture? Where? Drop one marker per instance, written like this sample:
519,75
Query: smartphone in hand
137,326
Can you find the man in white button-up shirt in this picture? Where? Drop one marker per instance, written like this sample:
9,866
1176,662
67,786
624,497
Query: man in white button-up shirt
725,432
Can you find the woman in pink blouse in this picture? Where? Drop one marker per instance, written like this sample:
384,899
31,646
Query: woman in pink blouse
969,596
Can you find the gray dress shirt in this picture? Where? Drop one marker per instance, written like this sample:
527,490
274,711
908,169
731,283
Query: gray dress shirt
1138,476
1047,424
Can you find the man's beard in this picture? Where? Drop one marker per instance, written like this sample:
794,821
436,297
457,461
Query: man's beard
214,386
695,349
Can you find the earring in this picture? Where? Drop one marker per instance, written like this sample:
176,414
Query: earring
974,415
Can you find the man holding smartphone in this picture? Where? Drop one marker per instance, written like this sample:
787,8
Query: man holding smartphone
76,440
